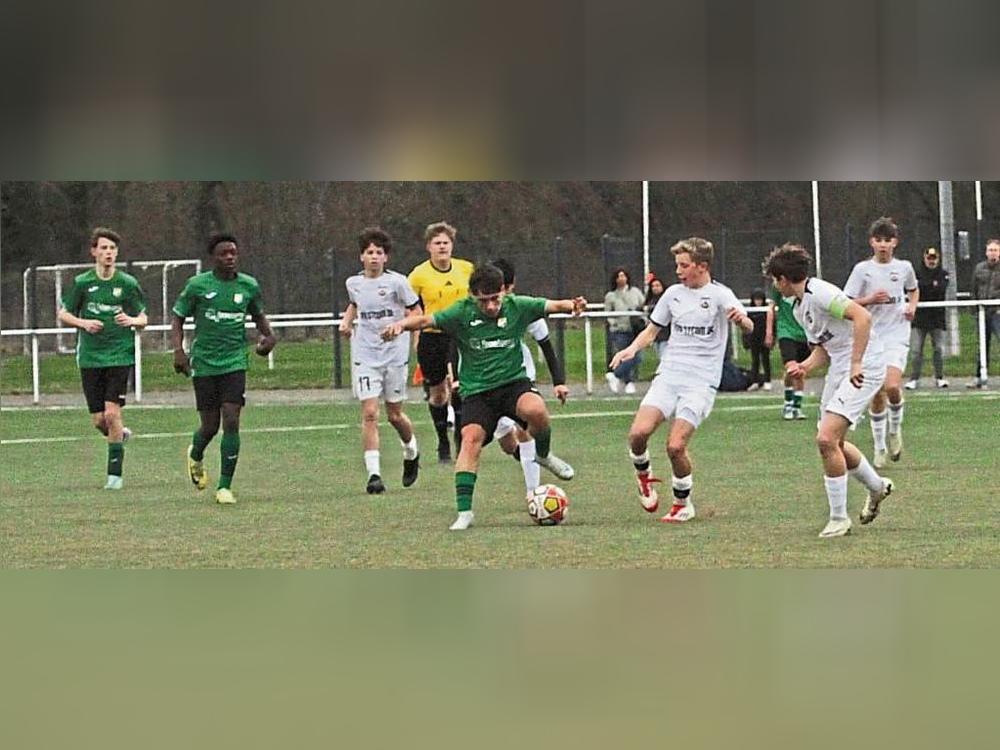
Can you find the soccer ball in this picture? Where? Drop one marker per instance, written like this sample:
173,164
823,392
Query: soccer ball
548,505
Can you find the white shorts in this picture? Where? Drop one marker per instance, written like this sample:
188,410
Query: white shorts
840,397
692,403
896,354
387,382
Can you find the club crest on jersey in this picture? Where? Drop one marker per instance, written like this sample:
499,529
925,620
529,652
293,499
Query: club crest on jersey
238,297
893,277
809,317
117,291
704,302
501,322
382,291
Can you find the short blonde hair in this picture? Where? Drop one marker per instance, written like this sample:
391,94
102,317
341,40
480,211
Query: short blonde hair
700,250
439,227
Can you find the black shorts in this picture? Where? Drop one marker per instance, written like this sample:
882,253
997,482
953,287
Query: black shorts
212,391
792,350
101,384
434,352
486,408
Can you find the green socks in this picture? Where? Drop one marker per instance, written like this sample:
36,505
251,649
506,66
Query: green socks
116,457
797,399
789,393
543,441
230,454
465,484
198,445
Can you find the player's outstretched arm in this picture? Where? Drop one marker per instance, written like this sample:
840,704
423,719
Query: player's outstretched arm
410,323
267,340
640,342
575,306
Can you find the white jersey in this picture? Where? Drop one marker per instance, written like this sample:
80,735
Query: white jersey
379,302
539,331
820,312
897,278
699,332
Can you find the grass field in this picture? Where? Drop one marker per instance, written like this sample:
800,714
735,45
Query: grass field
300,485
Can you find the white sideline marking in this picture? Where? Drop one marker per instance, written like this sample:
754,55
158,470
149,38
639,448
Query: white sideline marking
772,405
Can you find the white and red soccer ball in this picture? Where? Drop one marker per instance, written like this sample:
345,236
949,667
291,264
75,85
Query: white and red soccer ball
548,505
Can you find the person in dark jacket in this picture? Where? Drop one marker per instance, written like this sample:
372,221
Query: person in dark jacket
760,353
986,285
932,280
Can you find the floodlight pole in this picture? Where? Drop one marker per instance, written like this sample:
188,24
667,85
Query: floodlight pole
947,223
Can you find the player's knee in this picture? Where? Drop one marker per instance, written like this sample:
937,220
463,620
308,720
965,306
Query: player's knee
827,443
396,418
101,424
637,440
676,449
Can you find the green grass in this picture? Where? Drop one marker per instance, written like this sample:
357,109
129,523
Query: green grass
758,490
309,364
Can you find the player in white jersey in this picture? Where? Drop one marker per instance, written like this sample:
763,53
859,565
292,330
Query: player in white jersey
888,287
513,439
839,330
699,311
379,297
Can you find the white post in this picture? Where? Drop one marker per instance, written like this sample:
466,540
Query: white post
270,360
588,347
819,255
946,210
59,343
35,375
24,316
979,201
166,310
645,231
982,374
138,366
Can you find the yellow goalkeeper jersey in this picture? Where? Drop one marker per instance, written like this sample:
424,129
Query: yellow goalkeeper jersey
438,290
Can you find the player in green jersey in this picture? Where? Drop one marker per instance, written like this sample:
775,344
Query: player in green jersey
105,304
219,301
793,346
488,326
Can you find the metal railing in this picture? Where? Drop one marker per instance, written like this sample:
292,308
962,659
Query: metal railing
326,320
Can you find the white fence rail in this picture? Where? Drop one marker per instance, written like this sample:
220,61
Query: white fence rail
327,320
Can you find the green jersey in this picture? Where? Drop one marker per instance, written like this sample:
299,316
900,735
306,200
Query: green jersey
785,323
219,308
93,298
490,348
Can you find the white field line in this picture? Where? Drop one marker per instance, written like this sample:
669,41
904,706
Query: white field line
772,405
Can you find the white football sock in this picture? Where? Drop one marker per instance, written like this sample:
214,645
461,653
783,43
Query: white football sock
682,485
878,430
836,494
372,463
866,474
410,450
643,458
532,471
896,417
